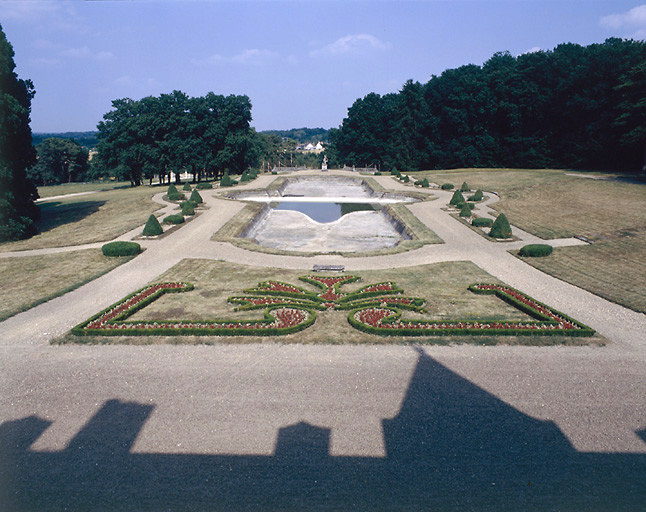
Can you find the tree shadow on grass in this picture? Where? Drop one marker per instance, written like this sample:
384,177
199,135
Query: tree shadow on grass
56,213
452,446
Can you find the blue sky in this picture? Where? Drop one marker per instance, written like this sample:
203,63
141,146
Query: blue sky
301,63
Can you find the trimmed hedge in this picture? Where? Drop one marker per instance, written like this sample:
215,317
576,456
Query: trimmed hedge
176,218
203,186
536,250
176,197
188,209
447,186
186,187
478,196
500,227
457,198
121,249
152,227
196,197
482,222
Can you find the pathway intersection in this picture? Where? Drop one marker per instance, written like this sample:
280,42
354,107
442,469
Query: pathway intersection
239,399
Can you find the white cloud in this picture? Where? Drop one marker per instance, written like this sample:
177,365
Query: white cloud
250,56
353,44
634,19
85,53
25,11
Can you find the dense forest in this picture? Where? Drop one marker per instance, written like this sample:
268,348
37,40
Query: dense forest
572,107
139,139
302,135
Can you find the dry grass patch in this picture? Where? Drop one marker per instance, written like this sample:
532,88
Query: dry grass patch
612,269
555,204
32,280
99,217
442,285
552,204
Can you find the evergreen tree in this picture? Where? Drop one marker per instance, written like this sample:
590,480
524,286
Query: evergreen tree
18,212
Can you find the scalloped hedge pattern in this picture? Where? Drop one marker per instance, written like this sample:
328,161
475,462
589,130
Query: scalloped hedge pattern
375,309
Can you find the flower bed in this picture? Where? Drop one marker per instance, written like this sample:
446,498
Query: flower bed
387,321
375,309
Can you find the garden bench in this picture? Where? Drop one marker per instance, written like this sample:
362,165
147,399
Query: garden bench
331,268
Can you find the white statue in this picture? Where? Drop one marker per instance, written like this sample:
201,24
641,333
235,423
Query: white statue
324,164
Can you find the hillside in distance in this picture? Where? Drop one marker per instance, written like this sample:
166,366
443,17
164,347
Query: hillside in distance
302,135
87,139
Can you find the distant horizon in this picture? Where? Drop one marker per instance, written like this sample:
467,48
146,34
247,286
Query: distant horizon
301,64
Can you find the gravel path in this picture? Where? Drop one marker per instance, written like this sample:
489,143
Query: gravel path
297,427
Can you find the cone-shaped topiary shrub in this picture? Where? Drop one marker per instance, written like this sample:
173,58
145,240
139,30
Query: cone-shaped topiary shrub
447,186
196,197
121,249
226,181
464,187
501,227
465,211
152,227
457,198
172,189
482,222
186,187
176,218
477,196
536,250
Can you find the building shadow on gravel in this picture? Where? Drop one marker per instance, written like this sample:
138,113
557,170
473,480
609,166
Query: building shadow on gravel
452,446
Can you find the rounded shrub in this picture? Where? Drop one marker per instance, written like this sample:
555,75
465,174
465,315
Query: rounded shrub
188,208
176,218
121,249
424,183
196,197
447,186
203,186
152,227
405,178
464,187
186,187
482,222
536,250
500,227
457,198
478,196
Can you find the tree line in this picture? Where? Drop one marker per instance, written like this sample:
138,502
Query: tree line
572,107
154,136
